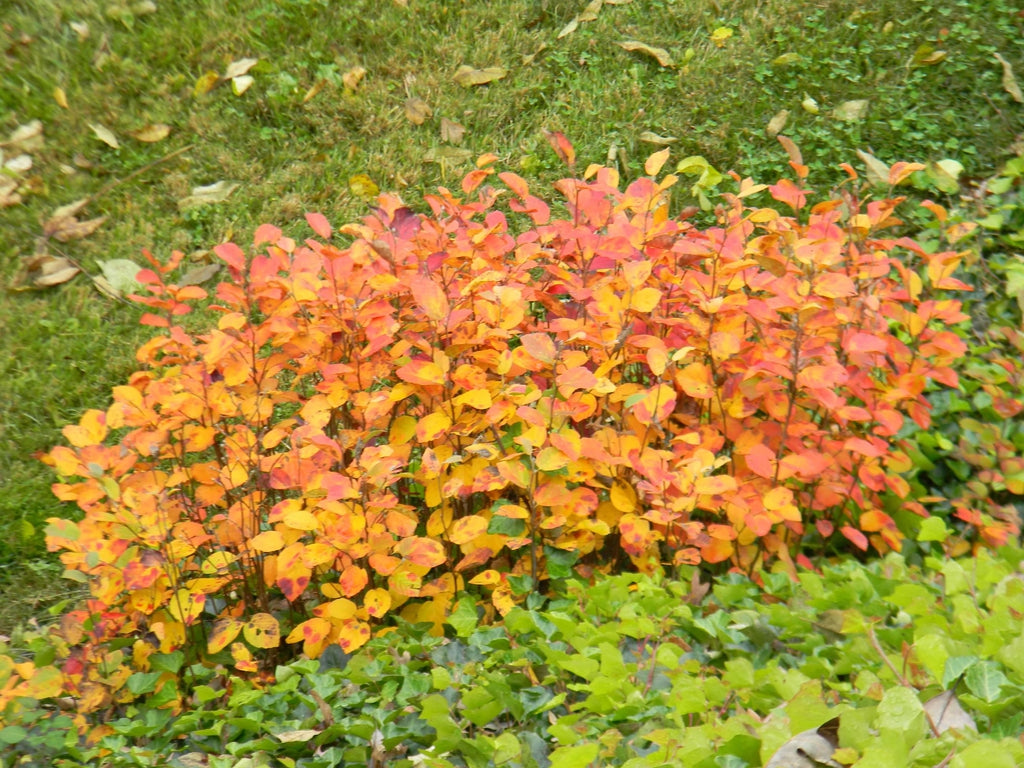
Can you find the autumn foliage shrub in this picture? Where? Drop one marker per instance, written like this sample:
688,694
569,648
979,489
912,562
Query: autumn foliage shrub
493,395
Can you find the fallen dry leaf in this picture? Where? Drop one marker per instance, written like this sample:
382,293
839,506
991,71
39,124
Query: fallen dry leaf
417,110
211,193
105,135
851,111
74,229
877,172
199,275
239,68
45,271
363,187
151,133
318,86
27,137
118,276
18,164
795,156
451,131
205,83
81,29
60,97
8,192
1009,81
353,77
63,216
649,137
467,77
777,123
240,85
809,749
660,54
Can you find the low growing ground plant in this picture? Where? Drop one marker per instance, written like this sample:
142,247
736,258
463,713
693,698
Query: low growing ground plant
416,405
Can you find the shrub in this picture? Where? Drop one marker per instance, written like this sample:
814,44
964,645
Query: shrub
975,455
415,403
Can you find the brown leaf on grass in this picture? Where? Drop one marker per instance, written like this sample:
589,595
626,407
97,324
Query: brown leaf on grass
467,77
1009,81
877,171
649,137
105,135
777,123
199,275
42,270
63,217
587,14
211,193
663,57
75,229
27,137
151,133
353,77
8,192
451,131
318,86
239,68
795,156
417,111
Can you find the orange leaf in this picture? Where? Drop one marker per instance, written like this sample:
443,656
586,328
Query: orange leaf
468,528
433,426
540,347
695,381
313,633
421,551
429,296
714,485
562,147
423,372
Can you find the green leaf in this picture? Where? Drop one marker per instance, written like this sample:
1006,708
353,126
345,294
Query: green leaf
464,618
142,682
955,668
12,734
579,756
985,679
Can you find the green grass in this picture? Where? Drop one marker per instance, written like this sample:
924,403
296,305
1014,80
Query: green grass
63,348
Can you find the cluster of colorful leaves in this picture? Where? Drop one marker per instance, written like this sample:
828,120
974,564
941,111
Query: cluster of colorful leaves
371,426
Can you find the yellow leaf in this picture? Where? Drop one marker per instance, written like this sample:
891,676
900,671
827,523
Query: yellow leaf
353,77
623,496
433,426
776,124
262,631
206,83
655,162
363,187
377,602
1009,81
475,398
417,111
645,300
300,520
60,97
467,77
105,135
662,56
151,133
720,35
268,541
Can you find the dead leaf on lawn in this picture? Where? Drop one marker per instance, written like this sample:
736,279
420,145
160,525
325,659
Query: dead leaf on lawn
63,217
877,171
777,123
151,133
8,192
81,29
206,83
467,77
239,68
587,14
451,131
27,137
105,135
363,187
353,78
649,137
45,271
662,56
60,97
18,164
212,193
199,275
851,111
1009,81
118,277
417,110
795,156
240,85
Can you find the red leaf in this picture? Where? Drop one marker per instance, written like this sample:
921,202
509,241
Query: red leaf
429,296
857,538
562,147
319,224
